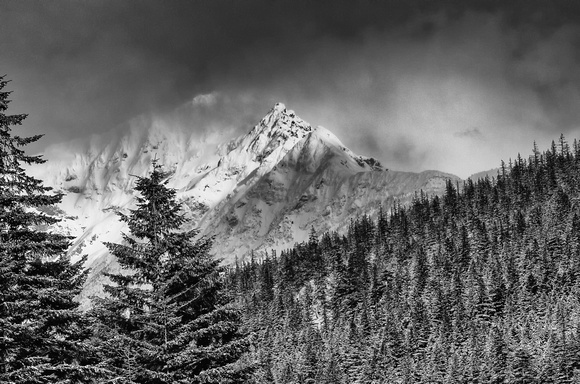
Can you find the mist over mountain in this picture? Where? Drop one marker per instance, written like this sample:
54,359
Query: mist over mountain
262,191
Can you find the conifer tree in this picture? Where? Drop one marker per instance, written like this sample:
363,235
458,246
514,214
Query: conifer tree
43,336
166,319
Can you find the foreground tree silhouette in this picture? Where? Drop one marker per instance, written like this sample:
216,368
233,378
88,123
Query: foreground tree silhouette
166,319
43,336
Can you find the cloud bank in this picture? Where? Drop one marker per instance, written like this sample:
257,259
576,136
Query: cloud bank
455,86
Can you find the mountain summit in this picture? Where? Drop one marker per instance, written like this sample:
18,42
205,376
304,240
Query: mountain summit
262,191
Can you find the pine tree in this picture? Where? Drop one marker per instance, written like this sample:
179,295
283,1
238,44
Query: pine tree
43,334
166,318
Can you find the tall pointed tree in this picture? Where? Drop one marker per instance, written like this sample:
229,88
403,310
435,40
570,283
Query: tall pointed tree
43,336
166,318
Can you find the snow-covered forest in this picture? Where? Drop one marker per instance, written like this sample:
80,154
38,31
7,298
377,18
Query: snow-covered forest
478,285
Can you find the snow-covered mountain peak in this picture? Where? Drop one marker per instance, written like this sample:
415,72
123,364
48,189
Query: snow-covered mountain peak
280,118
244,160
280,128
264,190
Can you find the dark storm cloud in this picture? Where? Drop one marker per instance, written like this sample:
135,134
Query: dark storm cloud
88,66
410,73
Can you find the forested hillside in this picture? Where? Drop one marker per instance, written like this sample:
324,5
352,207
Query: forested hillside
480,285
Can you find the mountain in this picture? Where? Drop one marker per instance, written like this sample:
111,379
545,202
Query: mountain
263,190
492,173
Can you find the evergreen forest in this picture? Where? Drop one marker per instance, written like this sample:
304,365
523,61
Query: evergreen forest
479,285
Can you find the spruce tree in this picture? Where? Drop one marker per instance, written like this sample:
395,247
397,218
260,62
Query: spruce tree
43,335
166,318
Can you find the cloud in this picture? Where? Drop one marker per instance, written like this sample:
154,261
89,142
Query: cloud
207,99
469,133
231,113
399,81
427,87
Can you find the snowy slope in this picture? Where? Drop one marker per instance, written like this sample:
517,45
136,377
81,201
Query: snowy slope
318,184
261,191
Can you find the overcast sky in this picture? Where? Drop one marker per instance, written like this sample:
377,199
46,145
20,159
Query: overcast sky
454,86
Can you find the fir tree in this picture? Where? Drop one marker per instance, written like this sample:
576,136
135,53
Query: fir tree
166,319
43,335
